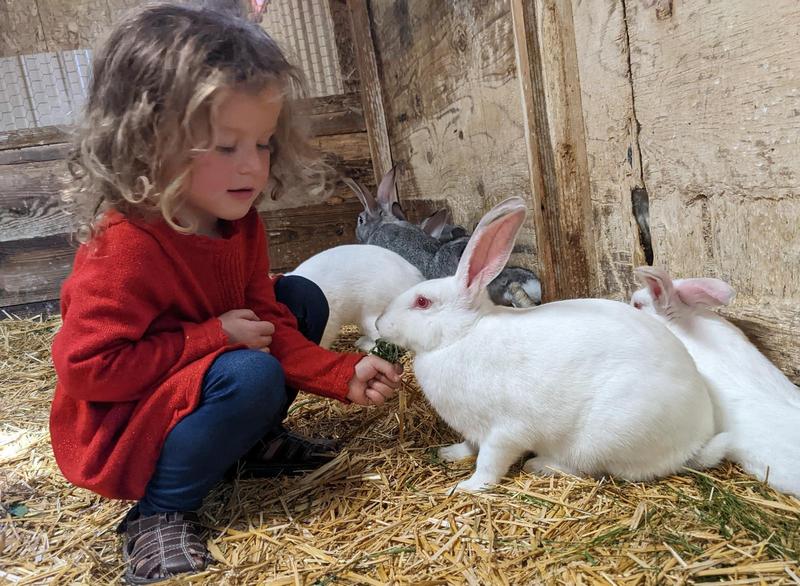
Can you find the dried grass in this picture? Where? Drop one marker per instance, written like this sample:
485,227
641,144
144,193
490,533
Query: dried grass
381,514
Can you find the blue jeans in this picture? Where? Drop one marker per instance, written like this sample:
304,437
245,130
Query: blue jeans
244,397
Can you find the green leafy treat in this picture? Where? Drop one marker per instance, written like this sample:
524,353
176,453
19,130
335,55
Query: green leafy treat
387,351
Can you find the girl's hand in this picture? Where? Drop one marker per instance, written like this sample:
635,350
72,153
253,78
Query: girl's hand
242,326
374,381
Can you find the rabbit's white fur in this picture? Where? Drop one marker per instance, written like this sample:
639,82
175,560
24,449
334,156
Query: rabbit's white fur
756,403
570,381
358,280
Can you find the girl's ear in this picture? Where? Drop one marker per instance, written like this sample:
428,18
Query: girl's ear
706,291
659,283
490,245
386,192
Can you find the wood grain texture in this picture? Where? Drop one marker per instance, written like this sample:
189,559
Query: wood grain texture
453,108
548,68
21,29
614,160
717,96
371,95
716,93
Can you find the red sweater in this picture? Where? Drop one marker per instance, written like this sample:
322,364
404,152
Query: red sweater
139,332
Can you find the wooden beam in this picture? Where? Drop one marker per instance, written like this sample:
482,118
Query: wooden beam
374,114
548,70
343,36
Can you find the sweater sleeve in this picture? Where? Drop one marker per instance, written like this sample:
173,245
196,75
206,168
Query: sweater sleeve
105,350
306,365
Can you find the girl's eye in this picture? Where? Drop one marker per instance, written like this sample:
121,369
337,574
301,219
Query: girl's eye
422,302
269,146
226,149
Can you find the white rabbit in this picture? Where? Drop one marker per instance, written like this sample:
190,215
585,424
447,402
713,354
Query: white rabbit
568,380
359,281
757,404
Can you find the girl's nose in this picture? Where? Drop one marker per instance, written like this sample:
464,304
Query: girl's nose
251,161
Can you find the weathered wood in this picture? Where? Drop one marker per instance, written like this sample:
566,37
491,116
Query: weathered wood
716,95
29,200
613,155
34,154
44,309
545,42
343,35
17,139
380,150
453,108
33,269
21,30
336,114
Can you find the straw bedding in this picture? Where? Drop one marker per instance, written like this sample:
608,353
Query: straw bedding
381,514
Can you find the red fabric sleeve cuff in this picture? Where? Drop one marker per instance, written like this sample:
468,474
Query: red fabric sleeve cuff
202,339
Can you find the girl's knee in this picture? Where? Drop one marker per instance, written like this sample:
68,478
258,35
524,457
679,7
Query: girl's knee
252,380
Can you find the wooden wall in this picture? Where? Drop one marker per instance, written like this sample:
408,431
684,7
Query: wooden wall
698,103
695,104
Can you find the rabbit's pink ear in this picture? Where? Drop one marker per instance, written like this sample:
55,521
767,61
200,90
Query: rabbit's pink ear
490,245
386,192
707,291
658,282
435,223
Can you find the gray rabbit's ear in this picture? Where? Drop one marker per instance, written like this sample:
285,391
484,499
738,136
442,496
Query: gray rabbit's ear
398,212
435,223
387,196
363,195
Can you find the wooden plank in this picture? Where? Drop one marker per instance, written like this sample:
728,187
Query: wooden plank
716,94
336,114
17,139
29,200
614,158
343,36
44,309
453,108
379,148
545,42
32,270
34,154
21,32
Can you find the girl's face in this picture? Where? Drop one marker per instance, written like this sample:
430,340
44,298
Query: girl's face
225,180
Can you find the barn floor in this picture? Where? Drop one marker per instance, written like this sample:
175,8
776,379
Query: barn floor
381,514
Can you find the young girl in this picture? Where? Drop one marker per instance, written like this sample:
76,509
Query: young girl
176,347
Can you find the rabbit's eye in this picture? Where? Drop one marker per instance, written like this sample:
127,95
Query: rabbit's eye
637,305
422,302
360,220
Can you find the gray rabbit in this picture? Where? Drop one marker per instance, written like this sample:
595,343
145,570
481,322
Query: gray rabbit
383,223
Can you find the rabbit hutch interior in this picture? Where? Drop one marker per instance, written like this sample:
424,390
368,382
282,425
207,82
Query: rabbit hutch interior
660,133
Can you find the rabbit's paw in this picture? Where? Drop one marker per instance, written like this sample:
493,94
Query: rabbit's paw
457,452
472,484
546,467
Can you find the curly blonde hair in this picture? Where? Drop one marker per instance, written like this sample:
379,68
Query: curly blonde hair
150,105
